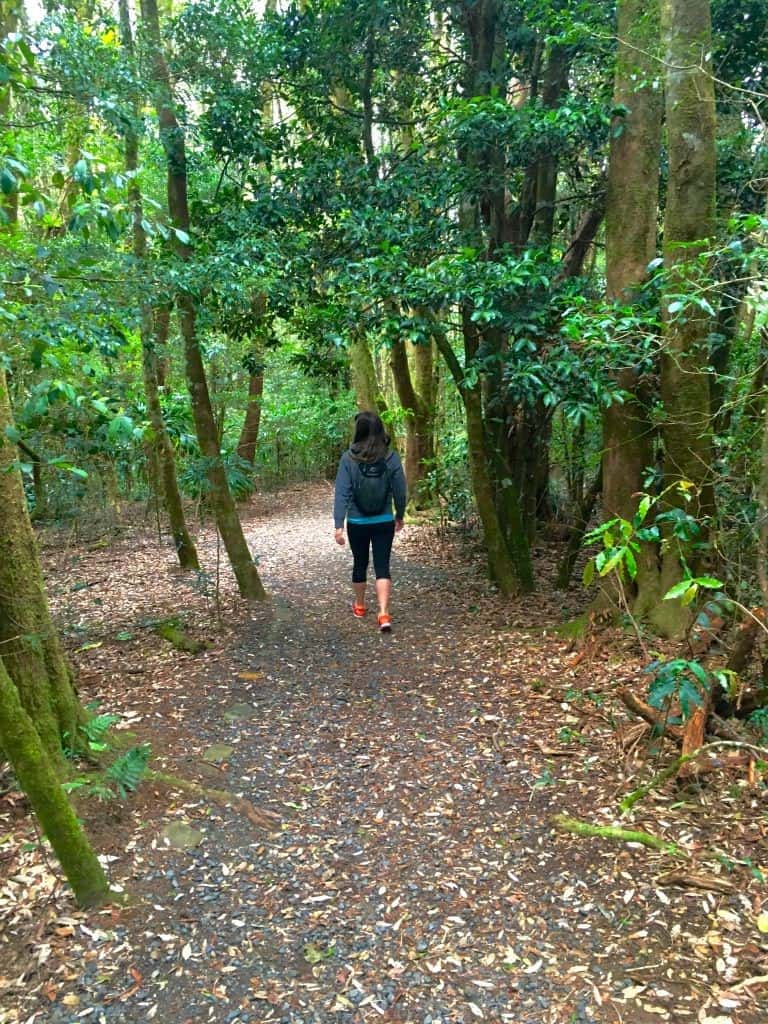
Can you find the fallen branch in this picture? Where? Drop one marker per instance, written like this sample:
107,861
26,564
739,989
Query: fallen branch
667,773
696,880
623,835
256,815
657,780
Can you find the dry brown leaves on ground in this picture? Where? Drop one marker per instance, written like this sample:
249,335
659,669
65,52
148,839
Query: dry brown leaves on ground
413,873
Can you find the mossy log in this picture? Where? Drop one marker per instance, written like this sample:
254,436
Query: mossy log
38,778
582,828
170,630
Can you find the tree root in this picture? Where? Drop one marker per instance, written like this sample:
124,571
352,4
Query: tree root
257,816
649,714
623,835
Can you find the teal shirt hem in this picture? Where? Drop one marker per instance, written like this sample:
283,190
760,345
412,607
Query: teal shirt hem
385,517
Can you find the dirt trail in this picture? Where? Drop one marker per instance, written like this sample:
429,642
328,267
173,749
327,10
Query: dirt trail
415,875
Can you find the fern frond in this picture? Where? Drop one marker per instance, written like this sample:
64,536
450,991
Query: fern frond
128,770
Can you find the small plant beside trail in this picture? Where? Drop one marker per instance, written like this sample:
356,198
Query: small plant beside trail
122,775
685,692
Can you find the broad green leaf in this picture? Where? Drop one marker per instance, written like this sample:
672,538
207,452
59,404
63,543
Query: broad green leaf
589,573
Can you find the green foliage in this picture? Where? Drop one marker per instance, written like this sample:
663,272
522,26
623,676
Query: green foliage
305,424
127,771
85,786
195,483
679,680
759,719
448,477
95,730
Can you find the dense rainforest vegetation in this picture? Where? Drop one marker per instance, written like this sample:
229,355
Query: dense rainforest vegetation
532,236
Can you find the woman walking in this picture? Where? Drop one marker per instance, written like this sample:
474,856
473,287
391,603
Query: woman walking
369,479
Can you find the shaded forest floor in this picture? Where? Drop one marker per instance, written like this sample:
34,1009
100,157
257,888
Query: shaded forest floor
413,873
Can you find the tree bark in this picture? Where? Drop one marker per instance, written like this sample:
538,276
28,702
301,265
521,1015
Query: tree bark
418,406
163,467
495,488
554,86
368,395
689,224
509,568
249,435
579,528
630,241
37,773
172,137
29,644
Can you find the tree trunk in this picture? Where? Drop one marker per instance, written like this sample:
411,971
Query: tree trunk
495,490
630,241
555,84
500,563
689,224
249,435
419,436
364,383
163,467
726,328
185,546
37,773
172,137
508,567
29,645
578,529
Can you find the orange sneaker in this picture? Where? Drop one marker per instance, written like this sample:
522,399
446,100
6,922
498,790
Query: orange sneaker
385,623
358,610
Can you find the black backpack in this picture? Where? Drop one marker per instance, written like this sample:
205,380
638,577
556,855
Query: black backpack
371,487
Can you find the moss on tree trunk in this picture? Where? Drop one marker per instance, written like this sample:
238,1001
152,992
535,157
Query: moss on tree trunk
414,384
31,651
38,777
368,395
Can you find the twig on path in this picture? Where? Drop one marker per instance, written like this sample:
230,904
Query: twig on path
759,979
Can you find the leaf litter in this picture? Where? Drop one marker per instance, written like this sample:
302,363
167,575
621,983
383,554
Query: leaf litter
412,872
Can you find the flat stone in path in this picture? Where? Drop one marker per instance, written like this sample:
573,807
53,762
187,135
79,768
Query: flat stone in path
239,712
217,753
181,836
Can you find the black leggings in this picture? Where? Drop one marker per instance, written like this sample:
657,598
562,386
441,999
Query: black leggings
379,537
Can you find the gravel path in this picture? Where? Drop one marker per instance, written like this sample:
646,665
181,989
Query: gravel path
414,875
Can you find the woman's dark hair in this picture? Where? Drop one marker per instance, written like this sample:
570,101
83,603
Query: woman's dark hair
371,440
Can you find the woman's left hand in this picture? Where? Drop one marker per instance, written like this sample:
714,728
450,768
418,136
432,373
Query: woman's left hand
338,536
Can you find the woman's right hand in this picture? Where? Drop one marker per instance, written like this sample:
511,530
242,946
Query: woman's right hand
338,536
